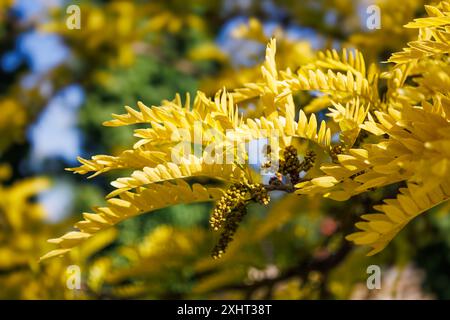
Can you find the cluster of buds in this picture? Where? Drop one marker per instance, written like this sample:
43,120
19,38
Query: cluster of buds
291,166
234,196
308,161
230,210
290,162
231,224
259,193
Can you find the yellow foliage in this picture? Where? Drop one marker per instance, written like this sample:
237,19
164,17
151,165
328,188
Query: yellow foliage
12,122
408,141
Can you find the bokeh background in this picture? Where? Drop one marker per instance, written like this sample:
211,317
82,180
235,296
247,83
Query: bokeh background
57,87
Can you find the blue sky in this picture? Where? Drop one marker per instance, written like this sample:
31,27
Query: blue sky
55,133
243,52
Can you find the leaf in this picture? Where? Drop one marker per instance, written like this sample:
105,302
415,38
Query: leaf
394,215
131,204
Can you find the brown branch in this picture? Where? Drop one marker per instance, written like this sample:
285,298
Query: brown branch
280,187
323,265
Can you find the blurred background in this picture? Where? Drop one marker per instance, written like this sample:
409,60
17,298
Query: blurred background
59,83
